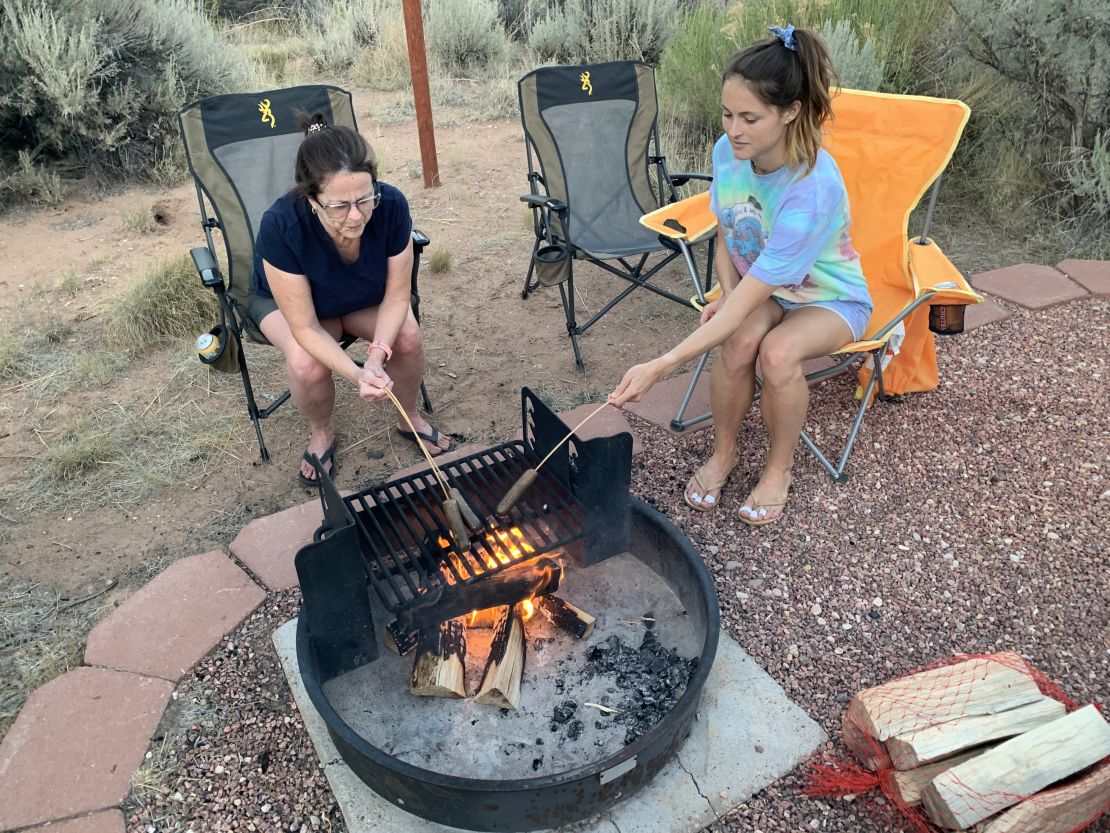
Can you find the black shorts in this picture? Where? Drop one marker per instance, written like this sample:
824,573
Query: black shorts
259,306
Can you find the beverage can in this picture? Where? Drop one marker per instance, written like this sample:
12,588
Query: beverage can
208,347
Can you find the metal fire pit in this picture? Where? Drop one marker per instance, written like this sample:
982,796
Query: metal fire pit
337,632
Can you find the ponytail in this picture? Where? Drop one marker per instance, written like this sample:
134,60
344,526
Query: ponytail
793,65
328,149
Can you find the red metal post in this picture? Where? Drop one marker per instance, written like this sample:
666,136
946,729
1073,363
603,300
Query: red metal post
421,94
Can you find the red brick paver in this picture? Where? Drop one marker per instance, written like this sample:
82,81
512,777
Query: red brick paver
660,404
76,743
110,821
168,625
1093,275
983,313
441,459
268,545
1029,285
607,423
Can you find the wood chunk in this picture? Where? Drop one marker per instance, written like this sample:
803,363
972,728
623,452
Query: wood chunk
504,669
872,753
565,616
907,786
483,618
1019,767
1059,810
983,685
913,749
439,669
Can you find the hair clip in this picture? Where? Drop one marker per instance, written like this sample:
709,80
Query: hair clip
312,128
785,35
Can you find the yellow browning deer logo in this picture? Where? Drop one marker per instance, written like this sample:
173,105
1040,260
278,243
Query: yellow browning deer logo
267,116
586,85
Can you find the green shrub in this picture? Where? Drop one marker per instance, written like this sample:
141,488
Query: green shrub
689,76
27,181
165,301
605,30
464,35
93,85
853,58
385,65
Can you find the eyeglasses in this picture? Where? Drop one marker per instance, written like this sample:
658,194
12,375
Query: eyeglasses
340,210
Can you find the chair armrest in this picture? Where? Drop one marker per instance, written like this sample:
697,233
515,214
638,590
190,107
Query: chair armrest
419,240
207,268
684,177
932,271
690,219
540,201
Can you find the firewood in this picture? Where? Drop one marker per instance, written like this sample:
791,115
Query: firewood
872,753
500,684
565,616
977,686
1059,810
907,785
995,780
440,666
486,618
913,749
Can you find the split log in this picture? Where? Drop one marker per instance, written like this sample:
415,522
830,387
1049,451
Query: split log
907,786
1019,767
483,618
983,685
913,749
500,684
1059,810
872,753
440,666
565,616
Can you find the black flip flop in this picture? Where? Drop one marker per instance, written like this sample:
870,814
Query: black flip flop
325,458
431,440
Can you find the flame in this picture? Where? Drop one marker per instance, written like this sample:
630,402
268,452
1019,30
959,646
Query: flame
527,609
504,548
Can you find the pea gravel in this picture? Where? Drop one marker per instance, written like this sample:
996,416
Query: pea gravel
975,521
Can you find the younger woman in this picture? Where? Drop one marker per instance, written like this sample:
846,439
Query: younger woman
792,284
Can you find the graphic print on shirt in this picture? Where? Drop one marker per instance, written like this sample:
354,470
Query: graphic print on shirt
744,224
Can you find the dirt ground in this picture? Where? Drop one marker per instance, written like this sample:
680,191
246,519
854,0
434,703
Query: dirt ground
483,342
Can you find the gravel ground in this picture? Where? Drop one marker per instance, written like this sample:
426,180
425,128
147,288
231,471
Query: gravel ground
975,521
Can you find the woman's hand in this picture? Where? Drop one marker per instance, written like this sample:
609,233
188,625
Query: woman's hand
709,310
373,381
636,382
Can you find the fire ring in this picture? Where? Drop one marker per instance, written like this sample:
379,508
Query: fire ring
550,800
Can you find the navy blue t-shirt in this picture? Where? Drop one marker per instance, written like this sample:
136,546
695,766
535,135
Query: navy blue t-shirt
292,238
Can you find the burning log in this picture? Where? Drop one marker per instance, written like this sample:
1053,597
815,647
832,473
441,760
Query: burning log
565,616
483,618
440,666
500,684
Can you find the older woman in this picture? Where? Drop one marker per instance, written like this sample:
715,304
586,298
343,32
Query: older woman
334,255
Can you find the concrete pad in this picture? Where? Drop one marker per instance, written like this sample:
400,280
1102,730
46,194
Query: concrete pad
76,743
983,313
660,404
717,769
168,625
1029,285
110,821
1092,275
268,545
608,422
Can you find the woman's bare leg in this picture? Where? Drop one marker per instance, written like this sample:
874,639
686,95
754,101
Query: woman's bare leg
805,333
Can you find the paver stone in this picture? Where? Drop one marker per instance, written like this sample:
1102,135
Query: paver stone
109,821
983,313
1029,285
268,545
1093,275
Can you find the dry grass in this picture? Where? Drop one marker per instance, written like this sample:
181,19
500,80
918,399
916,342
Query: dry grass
137,222
165,301
439,260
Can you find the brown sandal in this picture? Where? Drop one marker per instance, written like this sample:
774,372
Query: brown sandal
701,488
761,507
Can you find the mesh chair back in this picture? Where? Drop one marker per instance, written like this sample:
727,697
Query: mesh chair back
890,149
591,127
241,149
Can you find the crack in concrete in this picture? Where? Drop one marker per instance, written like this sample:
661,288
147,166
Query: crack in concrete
615,827
697,787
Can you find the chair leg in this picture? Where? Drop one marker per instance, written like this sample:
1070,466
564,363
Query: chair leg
530,287
837,472
248,392
566,290
424,397
679,423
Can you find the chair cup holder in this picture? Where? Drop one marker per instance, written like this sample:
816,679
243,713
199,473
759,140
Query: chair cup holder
552,264
947,319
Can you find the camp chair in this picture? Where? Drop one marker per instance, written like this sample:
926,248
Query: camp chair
240,150
592,130
890,149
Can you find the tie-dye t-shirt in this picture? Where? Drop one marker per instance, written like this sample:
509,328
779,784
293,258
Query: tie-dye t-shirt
787,228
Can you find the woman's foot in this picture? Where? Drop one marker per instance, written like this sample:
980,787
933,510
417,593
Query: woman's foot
767,500
433,439
703,492
323,446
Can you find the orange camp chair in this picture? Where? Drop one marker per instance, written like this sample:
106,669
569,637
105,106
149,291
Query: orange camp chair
890,149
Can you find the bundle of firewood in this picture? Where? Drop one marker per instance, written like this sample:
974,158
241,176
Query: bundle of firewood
980,747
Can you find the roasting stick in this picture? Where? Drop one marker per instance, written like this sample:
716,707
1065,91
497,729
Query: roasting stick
459,514
529,477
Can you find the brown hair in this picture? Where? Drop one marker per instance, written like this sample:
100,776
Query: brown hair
779,76
327,150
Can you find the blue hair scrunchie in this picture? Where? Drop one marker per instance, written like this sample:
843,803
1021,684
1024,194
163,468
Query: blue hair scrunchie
785,35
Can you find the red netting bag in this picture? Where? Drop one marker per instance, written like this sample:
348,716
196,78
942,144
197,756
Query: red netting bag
984,743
